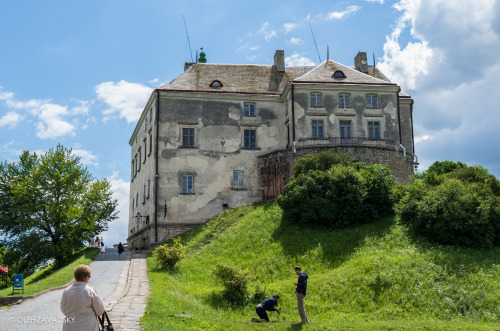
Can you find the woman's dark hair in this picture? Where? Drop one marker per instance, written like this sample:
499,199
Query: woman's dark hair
276,297
298,268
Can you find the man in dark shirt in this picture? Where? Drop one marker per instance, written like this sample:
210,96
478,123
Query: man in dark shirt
264,306
300,292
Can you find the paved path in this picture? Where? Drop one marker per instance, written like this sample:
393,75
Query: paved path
127,303
44,313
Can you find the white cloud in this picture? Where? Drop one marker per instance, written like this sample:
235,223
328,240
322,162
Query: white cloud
290,27
248,46
267,32
295,41
123,98
86,157
451,63
379,1
296,60
337,15
118,229
11,119
51,119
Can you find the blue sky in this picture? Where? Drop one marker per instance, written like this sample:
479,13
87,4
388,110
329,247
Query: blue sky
79,73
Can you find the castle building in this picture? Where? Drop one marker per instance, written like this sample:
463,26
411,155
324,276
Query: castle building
223,135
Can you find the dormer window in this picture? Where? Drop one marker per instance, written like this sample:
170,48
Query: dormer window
338,74
216,83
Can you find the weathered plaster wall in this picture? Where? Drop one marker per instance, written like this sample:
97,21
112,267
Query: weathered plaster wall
218,151
358,114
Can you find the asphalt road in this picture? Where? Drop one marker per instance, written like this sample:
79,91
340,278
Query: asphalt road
44,313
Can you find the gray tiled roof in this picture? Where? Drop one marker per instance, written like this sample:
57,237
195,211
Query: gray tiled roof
235,78
264,79
323,73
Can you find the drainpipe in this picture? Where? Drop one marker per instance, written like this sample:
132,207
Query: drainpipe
293,119
411,117
156,163
399,117
404,150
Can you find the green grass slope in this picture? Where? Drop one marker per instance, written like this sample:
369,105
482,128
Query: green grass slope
372,277
48,277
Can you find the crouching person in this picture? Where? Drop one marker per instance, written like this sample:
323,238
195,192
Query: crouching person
265,306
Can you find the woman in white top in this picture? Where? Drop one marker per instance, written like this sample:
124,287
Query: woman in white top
103,249
81,303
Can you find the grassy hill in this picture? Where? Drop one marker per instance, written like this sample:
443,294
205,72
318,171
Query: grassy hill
372,277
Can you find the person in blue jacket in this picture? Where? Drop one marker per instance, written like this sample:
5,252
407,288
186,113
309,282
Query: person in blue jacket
264,306
300,292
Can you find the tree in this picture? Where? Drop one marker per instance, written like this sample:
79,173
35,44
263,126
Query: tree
50,205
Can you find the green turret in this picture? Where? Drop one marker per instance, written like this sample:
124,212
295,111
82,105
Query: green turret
203,58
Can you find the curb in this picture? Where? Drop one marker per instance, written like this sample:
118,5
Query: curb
4,301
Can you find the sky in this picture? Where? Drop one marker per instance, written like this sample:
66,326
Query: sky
80,73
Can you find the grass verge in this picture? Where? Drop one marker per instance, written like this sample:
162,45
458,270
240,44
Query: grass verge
371,277
47,278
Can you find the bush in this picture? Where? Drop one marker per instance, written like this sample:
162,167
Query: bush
379,183
453,212
338,197
321,161
167,256
235,283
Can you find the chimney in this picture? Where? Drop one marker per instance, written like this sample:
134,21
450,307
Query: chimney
279,60
187,65
361,62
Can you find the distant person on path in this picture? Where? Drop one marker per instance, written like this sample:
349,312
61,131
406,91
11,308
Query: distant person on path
103,250
300,292
81,303
120,250
265,306
96,242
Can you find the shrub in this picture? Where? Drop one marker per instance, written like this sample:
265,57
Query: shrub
235,283
335,197
379,184
167,256
321,161
453,212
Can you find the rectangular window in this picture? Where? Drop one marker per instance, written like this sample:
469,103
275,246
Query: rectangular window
150,114
374,130
150,144
317,129
188,137
237,179
135,165
145,149
371,101
144,195
316,100
149,188
139,160
249,110
344,101
249,139
187,184
345,129
132,173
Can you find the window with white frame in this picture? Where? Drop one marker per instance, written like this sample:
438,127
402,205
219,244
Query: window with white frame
344,100
317,127
187,137
316,99
374,129
345,129
371,101
187,184
249,110
237,179
250,138
132,172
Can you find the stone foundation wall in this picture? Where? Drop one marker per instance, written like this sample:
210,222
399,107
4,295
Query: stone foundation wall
402,168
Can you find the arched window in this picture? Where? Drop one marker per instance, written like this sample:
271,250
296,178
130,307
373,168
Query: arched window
338,74
216,83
